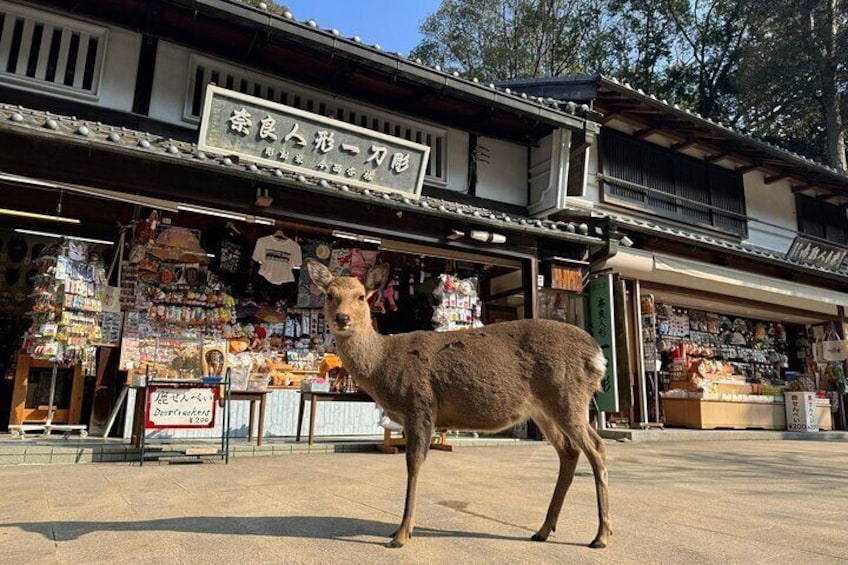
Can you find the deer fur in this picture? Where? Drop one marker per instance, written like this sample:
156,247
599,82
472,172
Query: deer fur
485,379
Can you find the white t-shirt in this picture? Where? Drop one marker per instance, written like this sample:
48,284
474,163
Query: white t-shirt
277,258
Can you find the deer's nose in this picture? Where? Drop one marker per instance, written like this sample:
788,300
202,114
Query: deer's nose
342,319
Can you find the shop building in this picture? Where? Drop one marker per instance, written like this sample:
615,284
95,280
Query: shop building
111,134
732,280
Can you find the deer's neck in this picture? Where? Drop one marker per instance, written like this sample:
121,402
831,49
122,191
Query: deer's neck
361,352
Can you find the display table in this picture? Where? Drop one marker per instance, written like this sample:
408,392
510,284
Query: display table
253,397
314,398
710,414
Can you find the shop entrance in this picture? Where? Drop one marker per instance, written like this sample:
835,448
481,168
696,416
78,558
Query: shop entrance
711,362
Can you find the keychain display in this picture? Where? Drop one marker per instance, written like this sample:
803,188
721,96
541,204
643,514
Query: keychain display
459,306
67,295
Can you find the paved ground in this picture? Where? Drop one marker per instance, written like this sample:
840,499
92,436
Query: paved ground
685,502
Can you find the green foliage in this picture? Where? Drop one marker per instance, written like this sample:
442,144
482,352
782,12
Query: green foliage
774,69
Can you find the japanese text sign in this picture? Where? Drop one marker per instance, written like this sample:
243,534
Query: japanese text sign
816,253
301,142
181,407
601,320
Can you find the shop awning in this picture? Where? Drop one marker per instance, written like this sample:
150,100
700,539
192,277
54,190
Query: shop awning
697,275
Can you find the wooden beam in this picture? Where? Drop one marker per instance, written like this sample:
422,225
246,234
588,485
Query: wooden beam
684,144
717,157
748,168
776,178
609,117
643,133
800,187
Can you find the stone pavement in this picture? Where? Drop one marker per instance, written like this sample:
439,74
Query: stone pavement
673,502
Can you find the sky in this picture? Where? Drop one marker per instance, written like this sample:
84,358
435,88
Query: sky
393,24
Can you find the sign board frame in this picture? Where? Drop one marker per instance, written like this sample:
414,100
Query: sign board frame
216,96
601,322
152,392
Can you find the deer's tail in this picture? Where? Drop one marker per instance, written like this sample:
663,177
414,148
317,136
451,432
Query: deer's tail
596,369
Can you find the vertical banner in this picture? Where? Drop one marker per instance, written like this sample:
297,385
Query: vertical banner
602,328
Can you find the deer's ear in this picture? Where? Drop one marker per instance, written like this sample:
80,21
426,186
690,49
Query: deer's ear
377,277
320,274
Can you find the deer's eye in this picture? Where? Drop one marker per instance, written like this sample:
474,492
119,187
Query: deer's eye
331,297
362,298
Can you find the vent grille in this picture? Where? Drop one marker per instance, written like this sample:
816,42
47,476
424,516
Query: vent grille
204,71
43,49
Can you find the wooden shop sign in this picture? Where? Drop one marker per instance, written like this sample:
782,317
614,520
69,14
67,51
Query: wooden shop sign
566,278
286,138
816,253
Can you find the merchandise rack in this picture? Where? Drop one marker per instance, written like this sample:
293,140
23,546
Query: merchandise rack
222,398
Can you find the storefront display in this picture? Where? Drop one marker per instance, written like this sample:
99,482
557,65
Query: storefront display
718,371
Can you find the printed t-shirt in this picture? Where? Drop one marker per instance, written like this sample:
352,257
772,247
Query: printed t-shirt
277,258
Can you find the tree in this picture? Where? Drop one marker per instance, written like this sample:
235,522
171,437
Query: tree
506,39
792,79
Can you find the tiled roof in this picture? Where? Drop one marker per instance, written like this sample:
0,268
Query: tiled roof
531,104
716,242
69,129
723,128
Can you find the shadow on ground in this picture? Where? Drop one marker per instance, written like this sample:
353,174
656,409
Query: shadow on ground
317,527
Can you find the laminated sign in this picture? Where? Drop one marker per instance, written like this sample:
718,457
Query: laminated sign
175,407
801,412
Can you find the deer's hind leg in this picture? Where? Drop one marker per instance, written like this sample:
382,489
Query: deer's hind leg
418,436
583,437
568,457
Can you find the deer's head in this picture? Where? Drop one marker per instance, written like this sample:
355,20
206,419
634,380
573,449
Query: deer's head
346,306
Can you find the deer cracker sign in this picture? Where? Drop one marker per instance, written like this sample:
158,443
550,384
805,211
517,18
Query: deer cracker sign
484,379
310,144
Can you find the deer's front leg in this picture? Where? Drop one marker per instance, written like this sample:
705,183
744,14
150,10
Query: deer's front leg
418,436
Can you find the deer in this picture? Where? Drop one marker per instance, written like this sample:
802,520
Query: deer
484,379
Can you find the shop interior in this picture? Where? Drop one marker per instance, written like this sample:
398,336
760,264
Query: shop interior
195,298
698,346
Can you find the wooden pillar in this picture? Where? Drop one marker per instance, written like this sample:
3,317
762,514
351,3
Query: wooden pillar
529,278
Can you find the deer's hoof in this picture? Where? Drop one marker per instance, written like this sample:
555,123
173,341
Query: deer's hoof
598,544
395,543
539,537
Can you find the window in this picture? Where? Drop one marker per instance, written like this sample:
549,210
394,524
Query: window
819,219
204,70
46,51
645,176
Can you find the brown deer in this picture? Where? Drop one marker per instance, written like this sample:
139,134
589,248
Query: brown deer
485,379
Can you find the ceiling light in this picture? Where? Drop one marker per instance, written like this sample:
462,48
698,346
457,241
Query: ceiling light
211,212
357,237
488,237
455,234
37,216
63,236
264,221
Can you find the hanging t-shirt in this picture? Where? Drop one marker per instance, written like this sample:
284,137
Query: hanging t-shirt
232,253
277,257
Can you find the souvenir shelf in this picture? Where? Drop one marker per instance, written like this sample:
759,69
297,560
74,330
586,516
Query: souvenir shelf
177,309
722,371
66,313
67,305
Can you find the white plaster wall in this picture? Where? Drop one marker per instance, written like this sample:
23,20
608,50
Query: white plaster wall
457,160
774,204
117,86
503,174
170,83
593,188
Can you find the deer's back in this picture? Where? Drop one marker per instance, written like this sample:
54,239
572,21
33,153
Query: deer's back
496,368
